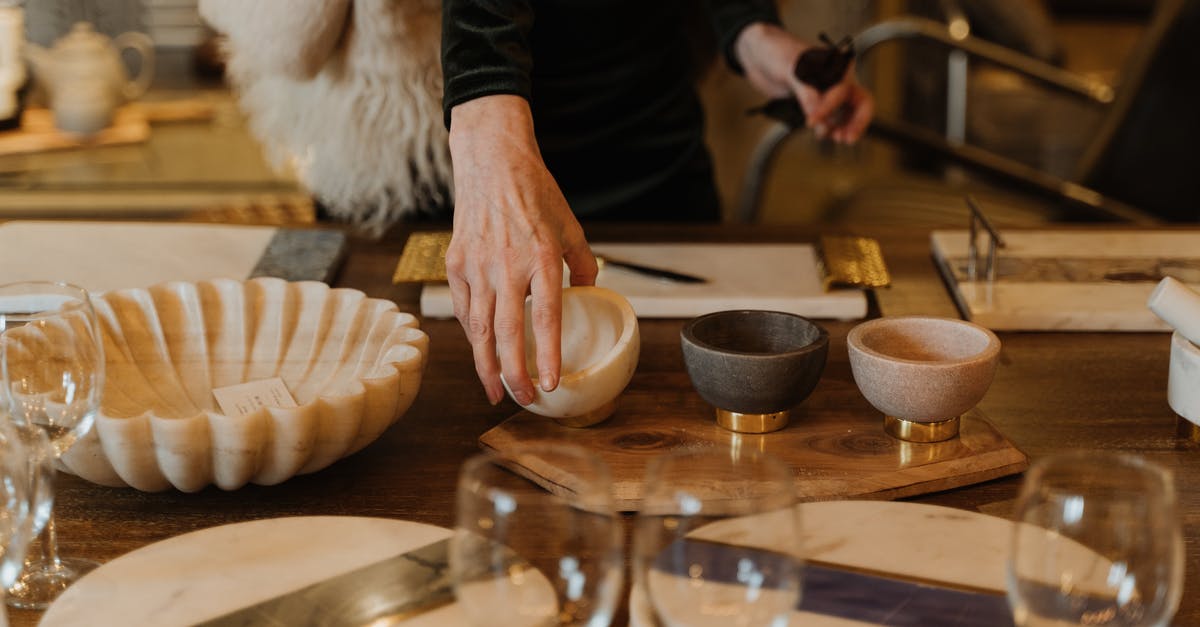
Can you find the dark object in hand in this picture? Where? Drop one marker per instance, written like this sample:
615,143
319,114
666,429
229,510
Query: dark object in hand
823,67
820,67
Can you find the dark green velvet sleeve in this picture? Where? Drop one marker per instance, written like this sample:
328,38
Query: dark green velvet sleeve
729,17
485,50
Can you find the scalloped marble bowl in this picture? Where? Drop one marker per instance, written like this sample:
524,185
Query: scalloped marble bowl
922,372
352,363
600,348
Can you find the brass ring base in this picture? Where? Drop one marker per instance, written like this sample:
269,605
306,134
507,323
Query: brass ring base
596,416
752,423
921,432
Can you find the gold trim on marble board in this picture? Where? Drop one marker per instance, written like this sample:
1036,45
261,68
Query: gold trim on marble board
423,258
852,261
921,432
739,422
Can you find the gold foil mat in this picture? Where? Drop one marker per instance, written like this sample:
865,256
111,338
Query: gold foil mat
853,261
423,258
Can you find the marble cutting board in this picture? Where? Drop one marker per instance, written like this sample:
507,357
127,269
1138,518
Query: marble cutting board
104,256
1084,280
780,277
213,575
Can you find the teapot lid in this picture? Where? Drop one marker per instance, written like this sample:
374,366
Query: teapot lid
83,37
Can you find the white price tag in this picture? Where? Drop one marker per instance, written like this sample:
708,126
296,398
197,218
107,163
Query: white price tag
246,398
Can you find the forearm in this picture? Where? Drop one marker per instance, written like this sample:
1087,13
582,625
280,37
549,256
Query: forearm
731,17
489,121
485,50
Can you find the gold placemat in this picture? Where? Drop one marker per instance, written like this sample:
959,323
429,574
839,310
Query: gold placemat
423,258
853,261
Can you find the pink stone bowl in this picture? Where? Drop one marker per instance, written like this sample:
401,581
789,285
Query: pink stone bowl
922,369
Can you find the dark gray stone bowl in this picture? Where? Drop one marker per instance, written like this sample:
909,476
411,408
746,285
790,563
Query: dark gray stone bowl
752,361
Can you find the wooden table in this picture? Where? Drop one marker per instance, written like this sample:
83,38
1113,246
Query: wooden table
1053,391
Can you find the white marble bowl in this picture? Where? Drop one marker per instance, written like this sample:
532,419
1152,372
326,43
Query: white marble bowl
922,372
600,348
1183,378
353,365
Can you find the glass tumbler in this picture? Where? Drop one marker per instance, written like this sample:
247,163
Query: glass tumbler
522,555
717,540
1097,541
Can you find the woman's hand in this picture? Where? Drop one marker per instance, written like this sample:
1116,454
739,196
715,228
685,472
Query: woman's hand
512,232
768,55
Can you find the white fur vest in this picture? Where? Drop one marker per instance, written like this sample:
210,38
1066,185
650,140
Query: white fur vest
349,93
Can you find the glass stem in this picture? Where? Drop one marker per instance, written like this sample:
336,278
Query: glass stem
50,558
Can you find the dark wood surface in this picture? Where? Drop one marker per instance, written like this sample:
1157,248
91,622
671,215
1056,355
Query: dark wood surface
1052,392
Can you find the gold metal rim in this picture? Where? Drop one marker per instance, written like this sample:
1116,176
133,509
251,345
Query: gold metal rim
921,432
752,423
596,416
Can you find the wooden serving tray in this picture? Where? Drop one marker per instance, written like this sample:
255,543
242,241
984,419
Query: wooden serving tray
835,443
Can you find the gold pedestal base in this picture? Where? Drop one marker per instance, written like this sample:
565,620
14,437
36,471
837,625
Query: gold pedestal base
921,432
596,416
752,423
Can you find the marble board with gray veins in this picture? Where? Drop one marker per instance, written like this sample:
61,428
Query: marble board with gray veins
1083,280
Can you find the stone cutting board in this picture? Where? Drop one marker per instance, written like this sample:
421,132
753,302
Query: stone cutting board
1082,280
780,277
834,443
103,256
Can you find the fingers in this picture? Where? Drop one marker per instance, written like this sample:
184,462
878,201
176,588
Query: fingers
510,341
842,113
580,259
863,107
475,316
546,321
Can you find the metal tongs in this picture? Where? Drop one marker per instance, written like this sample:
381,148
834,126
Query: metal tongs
994,242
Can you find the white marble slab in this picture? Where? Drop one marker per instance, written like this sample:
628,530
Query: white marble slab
911,541
205,574
779,277
1073,295
103,256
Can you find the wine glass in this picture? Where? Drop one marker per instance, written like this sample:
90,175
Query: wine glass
1097,541
522,555
22,474
52,368
24,470
717,540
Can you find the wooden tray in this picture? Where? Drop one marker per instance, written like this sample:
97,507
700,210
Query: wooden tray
38,133
835,443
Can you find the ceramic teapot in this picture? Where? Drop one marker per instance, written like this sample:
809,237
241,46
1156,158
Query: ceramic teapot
85,77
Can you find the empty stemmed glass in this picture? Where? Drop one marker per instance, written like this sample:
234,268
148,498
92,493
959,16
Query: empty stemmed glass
16,506
1097,541
52,368
717,540
24,471
522,555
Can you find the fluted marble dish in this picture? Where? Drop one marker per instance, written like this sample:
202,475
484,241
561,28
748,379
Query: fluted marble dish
353,365
600,348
